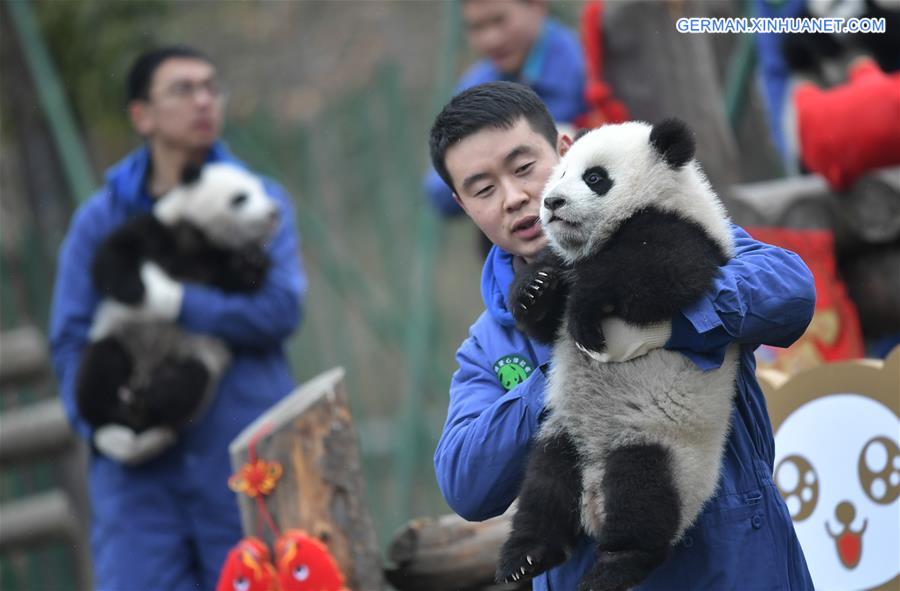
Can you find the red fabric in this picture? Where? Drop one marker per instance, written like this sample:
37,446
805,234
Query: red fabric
305,564
851,129
834,332
248,567
603,107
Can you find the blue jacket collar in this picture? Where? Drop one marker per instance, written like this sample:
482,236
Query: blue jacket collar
496,277
125,179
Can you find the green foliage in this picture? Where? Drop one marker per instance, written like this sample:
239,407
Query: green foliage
93,43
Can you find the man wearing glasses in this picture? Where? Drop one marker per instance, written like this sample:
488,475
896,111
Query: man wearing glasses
168,522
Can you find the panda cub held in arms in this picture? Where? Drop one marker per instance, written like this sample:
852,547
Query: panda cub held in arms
142,377
630,451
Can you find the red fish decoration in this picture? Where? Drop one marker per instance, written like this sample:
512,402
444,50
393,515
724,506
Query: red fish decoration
305,564
248,567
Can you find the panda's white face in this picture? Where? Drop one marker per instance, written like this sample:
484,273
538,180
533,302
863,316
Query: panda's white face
613,172
227,203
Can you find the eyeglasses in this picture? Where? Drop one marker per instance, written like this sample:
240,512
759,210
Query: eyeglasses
185,90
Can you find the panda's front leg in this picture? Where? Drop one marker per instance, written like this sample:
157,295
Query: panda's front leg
586,310
537,296
548,519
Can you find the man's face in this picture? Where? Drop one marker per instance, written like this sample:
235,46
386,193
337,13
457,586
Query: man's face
498,176
185,105
503,30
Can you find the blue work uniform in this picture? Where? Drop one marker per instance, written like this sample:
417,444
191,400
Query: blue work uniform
168,523
744,538
554,70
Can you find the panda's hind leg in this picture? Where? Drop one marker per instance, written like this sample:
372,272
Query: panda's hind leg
176,389
548,519
105,368
642,515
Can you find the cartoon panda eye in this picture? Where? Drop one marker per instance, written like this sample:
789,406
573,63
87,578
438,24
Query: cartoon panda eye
301,572
238,200
879,470
597,179
241,584
798,484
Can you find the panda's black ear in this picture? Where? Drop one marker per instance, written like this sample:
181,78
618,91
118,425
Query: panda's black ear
190,173
673,141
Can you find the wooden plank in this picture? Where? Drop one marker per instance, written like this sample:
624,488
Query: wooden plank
311,434
34,431
23,355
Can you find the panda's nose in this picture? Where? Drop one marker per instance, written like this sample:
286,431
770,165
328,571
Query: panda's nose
554,203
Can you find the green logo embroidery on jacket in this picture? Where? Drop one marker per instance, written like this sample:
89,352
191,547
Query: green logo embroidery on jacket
512,370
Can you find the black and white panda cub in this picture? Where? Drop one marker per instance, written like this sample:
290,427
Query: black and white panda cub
143,377
629,452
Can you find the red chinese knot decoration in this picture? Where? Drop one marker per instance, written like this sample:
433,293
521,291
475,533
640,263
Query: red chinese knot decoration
256,478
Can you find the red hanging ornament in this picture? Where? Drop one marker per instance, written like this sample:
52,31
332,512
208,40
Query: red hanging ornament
305,564
256,477
248,567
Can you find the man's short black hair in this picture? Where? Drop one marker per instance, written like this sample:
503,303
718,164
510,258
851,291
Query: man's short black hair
497,105
140,76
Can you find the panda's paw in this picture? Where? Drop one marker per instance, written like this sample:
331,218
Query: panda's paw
248,268
129,289
525,557
589,339
529,301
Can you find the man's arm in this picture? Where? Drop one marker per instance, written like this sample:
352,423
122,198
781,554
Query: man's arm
74,302
763,295
480,458
265,317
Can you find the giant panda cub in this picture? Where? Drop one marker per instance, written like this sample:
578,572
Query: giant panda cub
142,378
629,452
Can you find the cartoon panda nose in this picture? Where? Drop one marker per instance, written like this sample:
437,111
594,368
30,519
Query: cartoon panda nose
845,512
554,203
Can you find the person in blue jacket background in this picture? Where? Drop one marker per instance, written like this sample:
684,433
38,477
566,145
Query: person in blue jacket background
519,43
169,522
487,143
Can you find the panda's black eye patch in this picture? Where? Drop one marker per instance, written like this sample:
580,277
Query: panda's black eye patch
238,200
597,179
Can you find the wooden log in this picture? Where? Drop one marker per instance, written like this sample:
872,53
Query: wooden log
311,434
448,553
23,355
35,431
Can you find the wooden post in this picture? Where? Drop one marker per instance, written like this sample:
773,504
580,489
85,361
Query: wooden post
658,72
310,433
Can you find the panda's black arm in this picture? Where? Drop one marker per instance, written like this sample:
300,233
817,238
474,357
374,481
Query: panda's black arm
656,264
537,296
242,271
117,264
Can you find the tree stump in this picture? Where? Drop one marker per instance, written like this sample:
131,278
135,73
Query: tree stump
311,434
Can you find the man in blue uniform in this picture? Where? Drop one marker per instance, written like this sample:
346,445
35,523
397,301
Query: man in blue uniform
520,43
496,145
168,523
